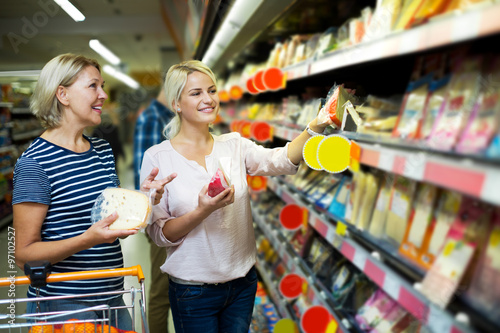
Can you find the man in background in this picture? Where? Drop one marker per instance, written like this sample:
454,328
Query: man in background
148,132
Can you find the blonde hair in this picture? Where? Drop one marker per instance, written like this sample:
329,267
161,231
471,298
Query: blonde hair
63,71
175,81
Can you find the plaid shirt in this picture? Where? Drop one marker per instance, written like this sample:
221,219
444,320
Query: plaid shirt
148,132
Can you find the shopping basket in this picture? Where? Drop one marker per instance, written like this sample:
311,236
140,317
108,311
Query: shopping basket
52,322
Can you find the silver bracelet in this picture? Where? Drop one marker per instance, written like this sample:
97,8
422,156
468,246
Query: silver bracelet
311,132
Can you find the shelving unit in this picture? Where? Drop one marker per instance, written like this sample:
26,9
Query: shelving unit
22,128
475,176
372,265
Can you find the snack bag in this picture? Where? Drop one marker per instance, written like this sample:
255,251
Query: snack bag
133,207
462,95
412,110
379,215
484,121
448,205
220,180
483,291
455,264
400,207
418,226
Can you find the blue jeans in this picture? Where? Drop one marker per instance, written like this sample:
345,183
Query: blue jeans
68,305
213,308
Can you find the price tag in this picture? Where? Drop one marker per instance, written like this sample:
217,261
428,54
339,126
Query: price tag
437,320
359,259
341,228
330,236
337,241
332,327
392,285
355,156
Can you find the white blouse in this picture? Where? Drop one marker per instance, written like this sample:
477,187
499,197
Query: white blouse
222,247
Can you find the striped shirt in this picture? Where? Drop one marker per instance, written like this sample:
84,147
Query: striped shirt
69,183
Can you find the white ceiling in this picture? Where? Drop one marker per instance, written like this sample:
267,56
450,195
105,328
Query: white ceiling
34,31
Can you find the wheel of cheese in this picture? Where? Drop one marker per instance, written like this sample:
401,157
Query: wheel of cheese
133,208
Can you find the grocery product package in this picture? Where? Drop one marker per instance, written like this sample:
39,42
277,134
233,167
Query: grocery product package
428,9
355,196
379,215
133,208
454,266
462,95
338,205
407,14
447,208
335,103
379,115
414,103
221,179
368,202
420,221
399,211
484,122
483,291
378,306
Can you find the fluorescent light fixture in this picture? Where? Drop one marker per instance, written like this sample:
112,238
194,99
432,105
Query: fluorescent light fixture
121,76
26,73
104,51
237,17
71,10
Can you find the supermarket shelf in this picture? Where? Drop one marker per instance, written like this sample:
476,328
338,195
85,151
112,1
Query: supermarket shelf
440,31
279,302
8,148
6,105
479,176
477,179
295,265
435,318
7,171
27,135
5,221
21,111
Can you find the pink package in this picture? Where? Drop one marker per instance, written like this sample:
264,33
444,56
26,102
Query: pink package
218,183
376,308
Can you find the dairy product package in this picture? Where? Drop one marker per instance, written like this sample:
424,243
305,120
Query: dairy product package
221,179
133,208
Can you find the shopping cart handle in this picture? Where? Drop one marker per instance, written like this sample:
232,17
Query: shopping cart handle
37,271
81,275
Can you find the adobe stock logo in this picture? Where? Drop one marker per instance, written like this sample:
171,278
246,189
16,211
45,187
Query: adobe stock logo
30,28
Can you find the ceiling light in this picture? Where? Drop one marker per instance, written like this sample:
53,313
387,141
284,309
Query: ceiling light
71,10
238,16
121,76
104,51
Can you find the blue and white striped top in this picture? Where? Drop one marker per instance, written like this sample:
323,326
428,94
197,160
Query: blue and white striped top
69,184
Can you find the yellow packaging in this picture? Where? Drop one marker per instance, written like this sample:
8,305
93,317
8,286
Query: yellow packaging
399,209
368,203
379,217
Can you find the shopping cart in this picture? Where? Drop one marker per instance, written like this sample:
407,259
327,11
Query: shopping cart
53,322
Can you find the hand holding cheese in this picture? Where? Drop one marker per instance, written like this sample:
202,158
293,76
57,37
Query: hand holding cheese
133,208
100,232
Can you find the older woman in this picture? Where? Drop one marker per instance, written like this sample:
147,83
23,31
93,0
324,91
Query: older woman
56,182
210,240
